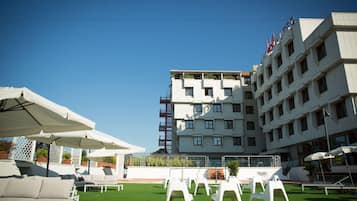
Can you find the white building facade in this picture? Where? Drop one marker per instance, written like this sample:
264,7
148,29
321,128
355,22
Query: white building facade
214,114
306,88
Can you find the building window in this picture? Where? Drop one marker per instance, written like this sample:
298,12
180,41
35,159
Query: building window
340,108
208,92
303,123
247,80
271,136
236,107
303,66
290,48
261,98
291,102
269,94
321,51
269,71
305,95
228,91
178,76
189,91
255,86
279,60
208,124
261,79
217,108
279,131
322,84
262,118
280,110
319,116
197,108
197,76
278,87
250,125
249,109
291,128
248,95
237,141
189,124
197,140
228,124
251,141
290,77
217,140
354,104
271,115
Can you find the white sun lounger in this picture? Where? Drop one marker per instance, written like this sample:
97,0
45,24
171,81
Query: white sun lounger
322,185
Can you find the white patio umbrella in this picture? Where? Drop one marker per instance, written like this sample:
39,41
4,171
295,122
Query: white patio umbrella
100,154
343,150
319,156
86,139
23,112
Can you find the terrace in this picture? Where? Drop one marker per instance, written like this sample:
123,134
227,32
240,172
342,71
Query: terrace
150,192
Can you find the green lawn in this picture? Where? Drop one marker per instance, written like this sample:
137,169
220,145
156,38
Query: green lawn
155,192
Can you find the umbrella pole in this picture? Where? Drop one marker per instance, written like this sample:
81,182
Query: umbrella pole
349,169
88,163
48,159
322,172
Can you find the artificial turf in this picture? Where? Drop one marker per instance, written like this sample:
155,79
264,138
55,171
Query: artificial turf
155,192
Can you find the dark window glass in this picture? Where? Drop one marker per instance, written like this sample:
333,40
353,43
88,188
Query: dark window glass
303,123
250,125
269,70
319,117
197,140
321,51
303,66
322,84
261,78
278,87
305,95
178,76
341,109
248,95
255,86
291,128
290,77
217,108
237,141
271,136
197,108
249,109
228,91
189,91
189,124
290,47
262,118
208,92
269,94
291,102
197,76
280,109
271,115
209,124
251,141
279,131
236,107
228,124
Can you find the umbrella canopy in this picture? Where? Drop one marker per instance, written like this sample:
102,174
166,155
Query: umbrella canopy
23,112
86,139
99,155
318,156
343,150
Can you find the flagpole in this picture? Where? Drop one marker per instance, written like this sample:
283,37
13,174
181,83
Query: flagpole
324,112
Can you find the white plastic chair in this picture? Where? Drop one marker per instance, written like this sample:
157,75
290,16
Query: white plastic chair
253,183
235,180
167,181
226,187
177,187
201,182
268,195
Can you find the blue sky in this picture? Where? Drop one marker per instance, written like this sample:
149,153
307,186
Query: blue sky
110,60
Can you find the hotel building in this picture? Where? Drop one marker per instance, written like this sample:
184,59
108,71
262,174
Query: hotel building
214,114
306,87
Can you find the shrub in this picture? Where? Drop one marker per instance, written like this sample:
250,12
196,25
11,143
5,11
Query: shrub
233,167
67,156
41,153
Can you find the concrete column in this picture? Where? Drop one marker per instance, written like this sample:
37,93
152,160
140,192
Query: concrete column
120,165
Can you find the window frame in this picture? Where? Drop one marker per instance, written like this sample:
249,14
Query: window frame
209,124
209,91
189,124
228,124
217,107
214,140
228,91
197,140
237,141
236,107
189,91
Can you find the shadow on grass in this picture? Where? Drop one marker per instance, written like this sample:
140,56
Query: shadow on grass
327,199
